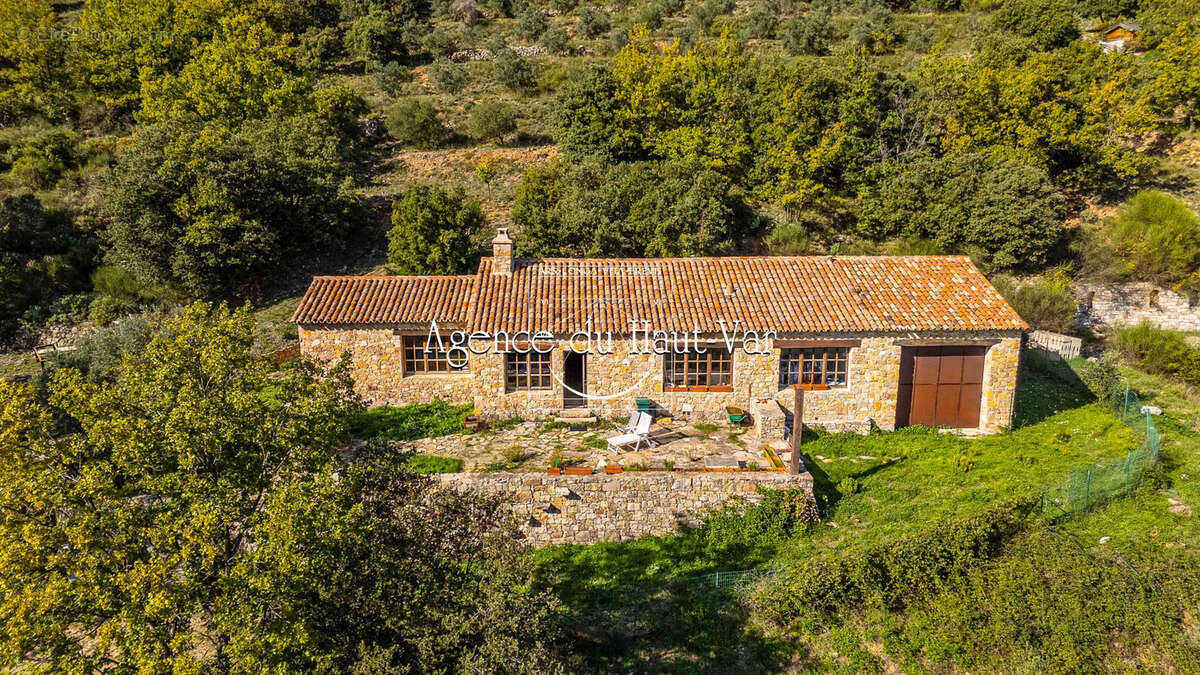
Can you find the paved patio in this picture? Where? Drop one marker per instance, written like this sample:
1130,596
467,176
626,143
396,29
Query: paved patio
534,446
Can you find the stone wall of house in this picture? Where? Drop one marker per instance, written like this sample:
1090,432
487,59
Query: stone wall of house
377,364
618,507
617,379
1129,304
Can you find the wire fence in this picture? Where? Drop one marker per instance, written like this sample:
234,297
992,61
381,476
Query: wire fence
1084,489
1089,486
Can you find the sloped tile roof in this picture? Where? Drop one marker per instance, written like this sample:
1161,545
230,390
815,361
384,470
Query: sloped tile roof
785,294
393,299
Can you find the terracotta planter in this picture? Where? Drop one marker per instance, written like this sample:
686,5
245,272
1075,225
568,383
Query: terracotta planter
578,470
554,471
610,468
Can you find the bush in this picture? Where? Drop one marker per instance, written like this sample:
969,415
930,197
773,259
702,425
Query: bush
1051,23
531,24
1158,239
492,120
1007,214
1160,351
876,31
1047,304
440,43
514,72
780,514
895,572
99,354
759,24
638,209
810,34
392,77
449,77
650,16
593,23
555,40
410,422
1101,378
414,122
432,230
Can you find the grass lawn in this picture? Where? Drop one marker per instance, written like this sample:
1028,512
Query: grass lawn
873,488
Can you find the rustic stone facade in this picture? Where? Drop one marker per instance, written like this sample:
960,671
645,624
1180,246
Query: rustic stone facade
619,507
1129,304
615,380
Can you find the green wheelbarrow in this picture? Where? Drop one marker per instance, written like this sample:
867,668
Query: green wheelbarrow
735,416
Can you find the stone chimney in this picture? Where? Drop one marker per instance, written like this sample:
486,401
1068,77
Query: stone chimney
502,253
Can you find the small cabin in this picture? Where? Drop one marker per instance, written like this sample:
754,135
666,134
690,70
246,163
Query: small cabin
1122,31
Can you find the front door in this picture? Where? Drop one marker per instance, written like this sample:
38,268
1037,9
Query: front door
940,386
575,377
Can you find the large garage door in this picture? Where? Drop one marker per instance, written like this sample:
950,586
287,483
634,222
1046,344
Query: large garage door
940,386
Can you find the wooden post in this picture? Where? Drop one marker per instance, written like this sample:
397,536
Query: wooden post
797,429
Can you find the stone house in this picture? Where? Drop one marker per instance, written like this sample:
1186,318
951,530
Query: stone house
875,340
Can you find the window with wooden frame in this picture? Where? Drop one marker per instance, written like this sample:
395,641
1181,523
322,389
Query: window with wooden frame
711,370
526,371
421,361
816,366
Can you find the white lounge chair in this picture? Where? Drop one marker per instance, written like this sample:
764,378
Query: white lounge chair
632,423
640,434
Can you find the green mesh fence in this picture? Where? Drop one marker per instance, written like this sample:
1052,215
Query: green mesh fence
1086,487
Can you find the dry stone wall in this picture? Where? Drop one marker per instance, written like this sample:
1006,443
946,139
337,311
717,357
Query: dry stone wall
618,507
1129,304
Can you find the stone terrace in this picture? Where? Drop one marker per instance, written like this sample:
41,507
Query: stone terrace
533,447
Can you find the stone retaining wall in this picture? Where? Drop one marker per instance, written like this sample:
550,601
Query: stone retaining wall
618,507
1129,304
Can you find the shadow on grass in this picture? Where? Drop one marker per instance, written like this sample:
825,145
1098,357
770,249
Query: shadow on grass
650,606
1046,386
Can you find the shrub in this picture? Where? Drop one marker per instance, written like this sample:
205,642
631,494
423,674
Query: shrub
392,77
848,486
414,122
1158,239
514,72
1101,378
440,43
531,24
810,34
650,16
431,231
555,40
99,354
704,13
40,163
633,209
492,120
876,31
593,23
449,77
434,464
1047,304
410,422
780,514
760,24
897,571
1160,351
1007,213
1051,23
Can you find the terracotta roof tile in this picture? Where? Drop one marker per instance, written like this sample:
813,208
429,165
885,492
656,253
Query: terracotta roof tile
784,294
375,299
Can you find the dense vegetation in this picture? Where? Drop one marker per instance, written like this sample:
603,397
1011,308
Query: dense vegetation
222,150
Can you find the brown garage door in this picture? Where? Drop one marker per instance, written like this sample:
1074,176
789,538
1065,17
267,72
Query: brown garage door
940,386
